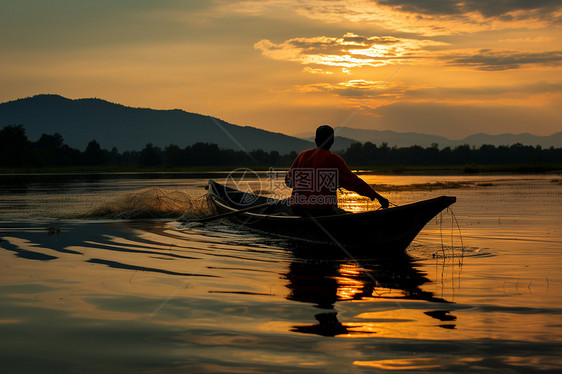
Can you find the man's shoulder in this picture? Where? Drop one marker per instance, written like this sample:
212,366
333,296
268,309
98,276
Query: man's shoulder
309,151
333,156
323,154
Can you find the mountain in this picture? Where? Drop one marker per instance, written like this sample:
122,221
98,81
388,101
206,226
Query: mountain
126,128
340,142
406,139
114,125
554,140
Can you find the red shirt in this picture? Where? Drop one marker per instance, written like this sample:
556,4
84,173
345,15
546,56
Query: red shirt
315,176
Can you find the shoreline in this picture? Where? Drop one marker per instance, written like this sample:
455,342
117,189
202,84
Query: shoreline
492,169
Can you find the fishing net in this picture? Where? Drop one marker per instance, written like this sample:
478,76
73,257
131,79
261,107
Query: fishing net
151,203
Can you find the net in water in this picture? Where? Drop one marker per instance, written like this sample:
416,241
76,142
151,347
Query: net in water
152,202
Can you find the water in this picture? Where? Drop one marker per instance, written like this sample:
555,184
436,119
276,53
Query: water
153,295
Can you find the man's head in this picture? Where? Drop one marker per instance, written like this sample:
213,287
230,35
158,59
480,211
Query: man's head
324,137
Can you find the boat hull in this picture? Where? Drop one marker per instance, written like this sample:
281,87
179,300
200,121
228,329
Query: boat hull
392,228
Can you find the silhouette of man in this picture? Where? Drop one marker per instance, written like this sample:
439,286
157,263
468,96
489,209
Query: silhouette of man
317,173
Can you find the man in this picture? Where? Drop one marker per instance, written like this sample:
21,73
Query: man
317,173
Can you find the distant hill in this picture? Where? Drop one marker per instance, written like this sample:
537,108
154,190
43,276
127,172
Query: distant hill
401,139
114,125
554,140
126,128
340,142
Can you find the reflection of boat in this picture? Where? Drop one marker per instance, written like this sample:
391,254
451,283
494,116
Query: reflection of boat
323,283
387,229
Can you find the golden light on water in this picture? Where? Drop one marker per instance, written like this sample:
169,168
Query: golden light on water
427,363
348,284
402,364
354,203
186,295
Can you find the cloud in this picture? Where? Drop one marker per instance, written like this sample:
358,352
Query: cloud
532,95
491,8
352,51
495,60
356,89
317,71
372,95
349,51
436,17
486,92
528,39
352,88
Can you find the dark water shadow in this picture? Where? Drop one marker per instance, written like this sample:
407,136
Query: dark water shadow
26,253
121,265
92,236
325,278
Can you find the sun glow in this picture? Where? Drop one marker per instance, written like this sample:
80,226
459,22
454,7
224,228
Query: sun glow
349,51
297,63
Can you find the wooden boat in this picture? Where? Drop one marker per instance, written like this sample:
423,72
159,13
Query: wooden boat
387,229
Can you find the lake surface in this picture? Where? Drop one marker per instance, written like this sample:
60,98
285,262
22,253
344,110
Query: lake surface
84,290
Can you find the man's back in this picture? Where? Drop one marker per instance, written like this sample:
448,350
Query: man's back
315,177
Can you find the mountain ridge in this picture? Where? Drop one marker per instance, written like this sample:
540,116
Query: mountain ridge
406,139
130,128
81,120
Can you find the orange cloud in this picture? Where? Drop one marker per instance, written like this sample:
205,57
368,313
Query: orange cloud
352,51
349,51
494,60
317,71
437,17
356,88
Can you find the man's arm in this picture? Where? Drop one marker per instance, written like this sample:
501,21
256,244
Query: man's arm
352,182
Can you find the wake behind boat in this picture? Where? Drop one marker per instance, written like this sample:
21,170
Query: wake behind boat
391,229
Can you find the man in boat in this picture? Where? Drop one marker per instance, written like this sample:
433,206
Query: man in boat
317,173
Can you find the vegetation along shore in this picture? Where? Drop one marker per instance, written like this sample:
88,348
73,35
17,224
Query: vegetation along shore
50,154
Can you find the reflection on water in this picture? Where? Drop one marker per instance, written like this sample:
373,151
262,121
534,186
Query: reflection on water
154,295
323,283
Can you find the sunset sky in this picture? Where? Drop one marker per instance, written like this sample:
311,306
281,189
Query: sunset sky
434,66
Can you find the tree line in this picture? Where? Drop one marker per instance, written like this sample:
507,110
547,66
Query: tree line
17,151
369,154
